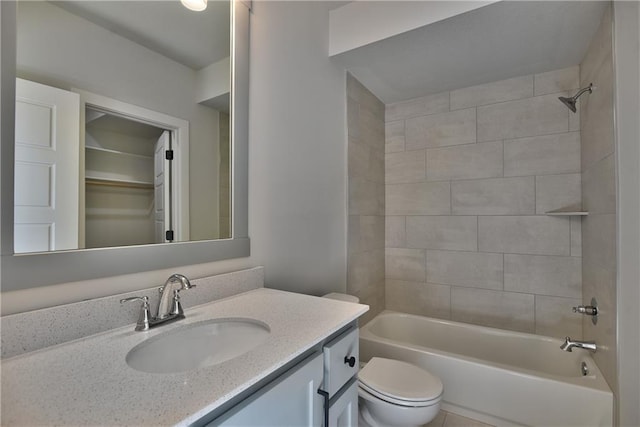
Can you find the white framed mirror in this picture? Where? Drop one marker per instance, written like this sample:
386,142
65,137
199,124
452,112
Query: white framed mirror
98,251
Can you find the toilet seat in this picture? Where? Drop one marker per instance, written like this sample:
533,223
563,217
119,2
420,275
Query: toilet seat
400,383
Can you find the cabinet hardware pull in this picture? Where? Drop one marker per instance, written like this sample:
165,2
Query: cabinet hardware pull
351,361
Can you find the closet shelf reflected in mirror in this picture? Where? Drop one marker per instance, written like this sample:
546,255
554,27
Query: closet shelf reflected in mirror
117,183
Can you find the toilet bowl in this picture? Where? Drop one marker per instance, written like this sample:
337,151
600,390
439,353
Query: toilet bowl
396,393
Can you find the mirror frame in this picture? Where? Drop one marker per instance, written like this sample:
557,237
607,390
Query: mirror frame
24,271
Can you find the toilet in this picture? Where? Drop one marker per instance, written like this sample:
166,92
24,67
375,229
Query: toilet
395,393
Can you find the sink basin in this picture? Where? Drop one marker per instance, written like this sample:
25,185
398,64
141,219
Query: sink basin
197,345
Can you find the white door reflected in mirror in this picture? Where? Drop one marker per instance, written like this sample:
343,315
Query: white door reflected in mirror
46,168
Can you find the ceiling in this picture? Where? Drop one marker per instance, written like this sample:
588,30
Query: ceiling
498,41
194,39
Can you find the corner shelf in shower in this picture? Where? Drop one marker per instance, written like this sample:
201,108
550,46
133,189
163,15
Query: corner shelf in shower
574,210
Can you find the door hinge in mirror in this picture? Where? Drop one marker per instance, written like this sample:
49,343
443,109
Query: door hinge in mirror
168,155
169,235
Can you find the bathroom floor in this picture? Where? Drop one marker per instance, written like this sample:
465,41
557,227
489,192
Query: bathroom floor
447,419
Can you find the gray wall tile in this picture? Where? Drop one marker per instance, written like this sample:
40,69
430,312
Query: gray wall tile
471,161
491,93
394,136
557,191
426,198
442,232
431,104
371,232
353,115
424,299
599,240
505,310
394,234
574,120
371,128
535,235
566,79
439,130
362,95
405,264
555,318
405,167
576,236
496,196
543,275
363,198
469,269
599,230
599,183
542,155
359,159
527,117
596,114
366,225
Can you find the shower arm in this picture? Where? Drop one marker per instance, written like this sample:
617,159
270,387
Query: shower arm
588,88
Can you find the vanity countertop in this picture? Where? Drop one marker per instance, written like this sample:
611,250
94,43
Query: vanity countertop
88,382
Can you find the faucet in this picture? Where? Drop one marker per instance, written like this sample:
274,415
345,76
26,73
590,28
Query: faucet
169,304
568,345
169,307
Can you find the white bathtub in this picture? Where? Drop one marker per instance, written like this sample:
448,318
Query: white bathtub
501,377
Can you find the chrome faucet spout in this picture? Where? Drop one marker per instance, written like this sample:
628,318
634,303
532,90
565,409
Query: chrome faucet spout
569,345
169,304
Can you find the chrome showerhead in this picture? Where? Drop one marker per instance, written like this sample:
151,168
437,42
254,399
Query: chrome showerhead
571,102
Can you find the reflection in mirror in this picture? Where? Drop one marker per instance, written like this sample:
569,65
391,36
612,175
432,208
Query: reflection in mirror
102,158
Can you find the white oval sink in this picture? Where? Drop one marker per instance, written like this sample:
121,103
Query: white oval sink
197,345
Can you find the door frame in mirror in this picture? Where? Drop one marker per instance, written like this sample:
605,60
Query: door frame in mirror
44,269
179,128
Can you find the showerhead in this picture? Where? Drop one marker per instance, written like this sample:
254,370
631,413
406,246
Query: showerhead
571,102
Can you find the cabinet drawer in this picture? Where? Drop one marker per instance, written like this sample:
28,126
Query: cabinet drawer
337,355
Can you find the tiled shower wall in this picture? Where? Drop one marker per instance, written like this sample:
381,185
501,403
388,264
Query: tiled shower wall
599,197
469,176
365,263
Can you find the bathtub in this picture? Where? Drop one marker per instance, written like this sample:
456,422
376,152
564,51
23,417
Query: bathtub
499,377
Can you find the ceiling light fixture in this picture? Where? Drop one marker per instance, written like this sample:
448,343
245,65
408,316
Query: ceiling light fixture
197,5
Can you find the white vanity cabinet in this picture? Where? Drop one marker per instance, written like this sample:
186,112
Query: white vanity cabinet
290,400
341,363
319,391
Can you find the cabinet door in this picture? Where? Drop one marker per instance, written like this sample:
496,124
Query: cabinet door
344,411
290,400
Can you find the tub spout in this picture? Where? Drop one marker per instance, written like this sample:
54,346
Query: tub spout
569,345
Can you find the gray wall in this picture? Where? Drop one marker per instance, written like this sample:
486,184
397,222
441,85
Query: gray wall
599,197
469,176
298,158
365,263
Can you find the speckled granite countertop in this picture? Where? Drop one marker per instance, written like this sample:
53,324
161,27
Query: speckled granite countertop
88,382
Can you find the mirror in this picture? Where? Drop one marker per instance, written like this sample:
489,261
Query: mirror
134,97
135,102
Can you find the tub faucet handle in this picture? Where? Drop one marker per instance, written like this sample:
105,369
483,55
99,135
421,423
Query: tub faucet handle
589,310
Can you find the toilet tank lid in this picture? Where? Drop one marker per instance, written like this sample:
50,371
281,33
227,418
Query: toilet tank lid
342,297
400,380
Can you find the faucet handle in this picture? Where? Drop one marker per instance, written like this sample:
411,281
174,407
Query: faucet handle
145,312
